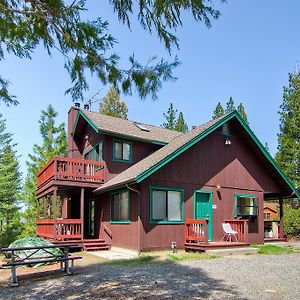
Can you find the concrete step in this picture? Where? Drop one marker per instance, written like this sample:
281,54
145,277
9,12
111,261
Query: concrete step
96,248
232,251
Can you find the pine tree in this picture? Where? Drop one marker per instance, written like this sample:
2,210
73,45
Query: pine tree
230,107
181,125
288,155
170,117
10,182
243,113
54,143
218,112
111,105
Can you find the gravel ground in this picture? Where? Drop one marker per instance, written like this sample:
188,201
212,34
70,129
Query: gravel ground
234,277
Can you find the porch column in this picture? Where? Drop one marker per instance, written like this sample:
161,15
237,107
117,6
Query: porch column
38,208
281,230
54,211
82,212
45,208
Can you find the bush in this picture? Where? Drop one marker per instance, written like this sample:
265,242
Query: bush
292,221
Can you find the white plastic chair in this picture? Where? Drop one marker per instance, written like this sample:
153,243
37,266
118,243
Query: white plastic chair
228,233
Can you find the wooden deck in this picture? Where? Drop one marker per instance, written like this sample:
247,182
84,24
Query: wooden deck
214,245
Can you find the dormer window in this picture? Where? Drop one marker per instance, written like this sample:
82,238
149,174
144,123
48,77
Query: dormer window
122,151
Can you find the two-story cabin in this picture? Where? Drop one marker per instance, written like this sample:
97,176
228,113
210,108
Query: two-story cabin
142,187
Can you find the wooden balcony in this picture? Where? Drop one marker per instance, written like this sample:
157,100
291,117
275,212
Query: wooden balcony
72,169
59,229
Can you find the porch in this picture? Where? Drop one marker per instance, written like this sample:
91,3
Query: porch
196,235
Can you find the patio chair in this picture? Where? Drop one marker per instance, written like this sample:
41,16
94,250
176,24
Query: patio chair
229,233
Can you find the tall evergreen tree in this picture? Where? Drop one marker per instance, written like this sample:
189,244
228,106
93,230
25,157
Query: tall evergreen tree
170,117
111,105
242,112
230,106
288,155
181,125
10,182
54,142
219,111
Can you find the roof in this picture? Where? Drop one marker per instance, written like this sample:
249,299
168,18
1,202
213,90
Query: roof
147,166
271,205
134,130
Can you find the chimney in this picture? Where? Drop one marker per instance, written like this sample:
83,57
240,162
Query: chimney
77,104
86,106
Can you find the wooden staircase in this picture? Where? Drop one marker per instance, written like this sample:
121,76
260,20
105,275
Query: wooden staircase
95,245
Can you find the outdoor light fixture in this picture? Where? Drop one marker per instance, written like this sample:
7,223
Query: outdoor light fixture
218,187
87,137
173,247
227,142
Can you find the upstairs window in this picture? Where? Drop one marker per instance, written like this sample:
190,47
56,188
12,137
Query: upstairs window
246,205
122,151
166,205
267,215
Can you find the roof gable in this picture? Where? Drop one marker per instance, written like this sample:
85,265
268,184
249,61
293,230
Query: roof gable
125,128
146,167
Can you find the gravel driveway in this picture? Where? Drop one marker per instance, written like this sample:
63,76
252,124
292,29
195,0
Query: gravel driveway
234,277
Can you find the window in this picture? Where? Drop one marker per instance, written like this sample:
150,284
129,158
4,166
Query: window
166,205
95,153
119,207
246,205
122,151
267,215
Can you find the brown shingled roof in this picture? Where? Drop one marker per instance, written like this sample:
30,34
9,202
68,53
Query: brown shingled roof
150,161
128,128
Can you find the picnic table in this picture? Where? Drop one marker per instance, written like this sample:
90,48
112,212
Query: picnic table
30,259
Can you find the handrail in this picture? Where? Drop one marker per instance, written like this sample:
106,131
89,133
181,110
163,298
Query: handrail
196,231
107,231
67,168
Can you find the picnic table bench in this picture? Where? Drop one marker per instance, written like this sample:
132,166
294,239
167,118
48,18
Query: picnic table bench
29,259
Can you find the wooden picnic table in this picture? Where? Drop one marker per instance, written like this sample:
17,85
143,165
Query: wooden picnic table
15,260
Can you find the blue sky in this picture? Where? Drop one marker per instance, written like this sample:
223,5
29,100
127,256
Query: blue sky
247,54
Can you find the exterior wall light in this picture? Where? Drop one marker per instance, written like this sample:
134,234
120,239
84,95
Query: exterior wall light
227,142
218,187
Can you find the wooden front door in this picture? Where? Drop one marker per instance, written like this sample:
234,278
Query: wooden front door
203,209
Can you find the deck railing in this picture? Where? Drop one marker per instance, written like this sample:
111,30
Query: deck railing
196,231
59,229
241,226
65,168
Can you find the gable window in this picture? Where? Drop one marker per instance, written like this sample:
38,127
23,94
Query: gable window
95,153
246,205
166,205
119,207
122,151
267,215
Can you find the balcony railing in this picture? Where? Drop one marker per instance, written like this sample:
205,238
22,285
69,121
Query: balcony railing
59,229
241,226
65,168
196,231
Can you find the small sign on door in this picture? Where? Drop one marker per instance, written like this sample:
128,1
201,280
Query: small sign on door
214,206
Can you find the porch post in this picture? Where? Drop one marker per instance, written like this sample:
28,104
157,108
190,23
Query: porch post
281,230
82,212
54,212
38,208
45,208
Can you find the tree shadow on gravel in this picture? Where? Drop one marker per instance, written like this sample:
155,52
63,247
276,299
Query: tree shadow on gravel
151,280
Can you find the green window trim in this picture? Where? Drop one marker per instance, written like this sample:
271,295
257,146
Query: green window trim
94,148
111,206
114,151
159,188
245,196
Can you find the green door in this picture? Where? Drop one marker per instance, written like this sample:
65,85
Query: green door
203,209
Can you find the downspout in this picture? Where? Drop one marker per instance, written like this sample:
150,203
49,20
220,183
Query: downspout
139,215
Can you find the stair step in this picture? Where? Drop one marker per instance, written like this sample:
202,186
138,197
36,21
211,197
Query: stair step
93,240
94,244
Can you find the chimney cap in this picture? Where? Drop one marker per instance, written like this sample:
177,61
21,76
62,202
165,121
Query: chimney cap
77,104
86,106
